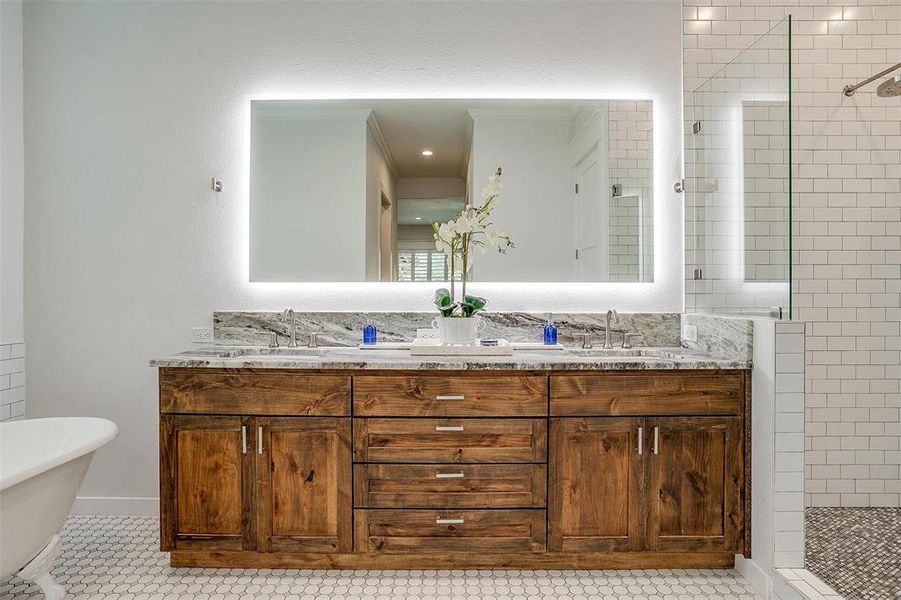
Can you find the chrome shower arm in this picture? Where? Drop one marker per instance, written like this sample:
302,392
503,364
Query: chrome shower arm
850,89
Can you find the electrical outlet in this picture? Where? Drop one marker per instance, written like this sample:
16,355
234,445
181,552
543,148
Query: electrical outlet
690,333
202,335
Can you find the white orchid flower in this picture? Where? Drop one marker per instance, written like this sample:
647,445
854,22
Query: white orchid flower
472,228
463,225
446,232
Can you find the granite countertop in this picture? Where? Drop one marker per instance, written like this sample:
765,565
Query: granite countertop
239,357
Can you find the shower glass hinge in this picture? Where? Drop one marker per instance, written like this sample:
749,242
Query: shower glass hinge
699,274
776,312
617,190
696,127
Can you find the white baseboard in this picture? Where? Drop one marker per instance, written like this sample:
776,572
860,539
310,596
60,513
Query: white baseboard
756,575
133,507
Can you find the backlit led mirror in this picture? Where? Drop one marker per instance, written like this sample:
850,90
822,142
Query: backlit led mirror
349,190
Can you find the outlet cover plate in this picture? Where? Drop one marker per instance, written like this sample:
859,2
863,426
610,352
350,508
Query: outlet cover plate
202,335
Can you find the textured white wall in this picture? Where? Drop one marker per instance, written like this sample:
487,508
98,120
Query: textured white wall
537,206
133,106
12,350
308,185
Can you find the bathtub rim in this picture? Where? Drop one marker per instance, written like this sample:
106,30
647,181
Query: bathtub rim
103,432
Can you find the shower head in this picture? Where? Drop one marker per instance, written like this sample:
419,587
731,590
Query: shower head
890,87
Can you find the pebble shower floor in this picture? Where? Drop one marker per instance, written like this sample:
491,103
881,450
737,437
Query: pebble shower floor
117,558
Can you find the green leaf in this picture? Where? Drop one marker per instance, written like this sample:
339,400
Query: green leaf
442,298
476,301
472,304
448,311
443,302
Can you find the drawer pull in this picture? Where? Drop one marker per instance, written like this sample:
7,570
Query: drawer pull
243,439
458,475
640,439
440,521
450,397
448,428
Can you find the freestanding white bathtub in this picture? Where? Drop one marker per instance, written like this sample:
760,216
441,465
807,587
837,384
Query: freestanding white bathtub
42,463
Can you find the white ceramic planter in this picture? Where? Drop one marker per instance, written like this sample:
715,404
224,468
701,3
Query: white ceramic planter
459,330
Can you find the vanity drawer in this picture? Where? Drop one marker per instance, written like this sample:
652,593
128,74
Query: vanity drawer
702,392
484,531
450,486
450,440
244,392
443,395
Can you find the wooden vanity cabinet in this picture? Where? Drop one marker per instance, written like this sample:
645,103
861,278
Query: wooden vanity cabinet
695,472
253,481
596,485
330,469
303,485
679,490
206,483
648,482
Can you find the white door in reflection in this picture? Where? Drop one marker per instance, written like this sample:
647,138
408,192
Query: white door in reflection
592,248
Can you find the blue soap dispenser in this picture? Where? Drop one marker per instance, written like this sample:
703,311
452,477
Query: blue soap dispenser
550,332
370,333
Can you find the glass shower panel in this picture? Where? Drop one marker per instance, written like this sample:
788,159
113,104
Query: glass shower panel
738,183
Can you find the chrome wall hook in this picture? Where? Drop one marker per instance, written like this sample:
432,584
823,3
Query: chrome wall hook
216,185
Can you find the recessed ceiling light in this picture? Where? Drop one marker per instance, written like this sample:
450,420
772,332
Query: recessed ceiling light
427,153
417,218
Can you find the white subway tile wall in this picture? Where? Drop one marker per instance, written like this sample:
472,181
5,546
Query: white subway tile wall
788,517
847,218
630,124
12,381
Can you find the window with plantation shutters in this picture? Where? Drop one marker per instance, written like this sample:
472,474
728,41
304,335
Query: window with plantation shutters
421,265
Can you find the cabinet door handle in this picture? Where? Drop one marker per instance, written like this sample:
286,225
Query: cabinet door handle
448,428
440,521
458,475
450,397
640,439
656,439
243,439
259,440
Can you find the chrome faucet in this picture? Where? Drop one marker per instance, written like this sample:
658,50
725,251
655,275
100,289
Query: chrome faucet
314,340
612,317
288,315
586,341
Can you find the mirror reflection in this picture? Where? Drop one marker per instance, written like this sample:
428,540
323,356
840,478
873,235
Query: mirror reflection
350,190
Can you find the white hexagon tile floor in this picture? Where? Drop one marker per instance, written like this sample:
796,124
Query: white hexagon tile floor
117,558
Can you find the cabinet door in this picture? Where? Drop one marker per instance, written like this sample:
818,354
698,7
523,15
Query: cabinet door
596,480
206,483
304,484
696,480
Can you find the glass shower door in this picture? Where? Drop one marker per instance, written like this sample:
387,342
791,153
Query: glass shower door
738,183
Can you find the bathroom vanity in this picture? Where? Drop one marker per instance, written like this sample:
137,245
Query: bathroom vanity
369,460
